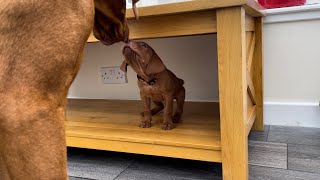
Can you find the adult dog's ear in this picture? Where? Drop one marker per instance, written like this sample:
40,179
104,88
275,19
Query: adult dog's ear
124,66
110,24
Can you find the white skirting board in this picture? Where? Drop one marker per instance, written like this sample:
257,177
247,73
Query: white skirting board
292,114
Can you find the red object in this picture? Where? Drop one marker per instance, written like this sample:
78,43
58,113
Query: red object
269,4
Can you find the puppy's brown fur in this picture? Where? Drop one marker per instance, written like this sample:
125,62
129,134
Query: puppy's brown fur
156,83
41,45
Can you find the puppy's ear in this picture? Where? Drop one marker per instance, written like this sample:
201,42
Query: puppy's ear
155,65
110,24
124,66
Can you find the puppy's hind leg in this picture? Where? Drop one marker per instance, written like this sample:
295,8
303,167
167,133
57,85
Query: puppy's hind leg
159,107
180,103
147,118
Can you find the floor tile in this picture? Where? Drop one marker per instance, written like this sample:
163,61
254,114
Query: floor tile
159,168
304,158
295,135
94,164
266,173
268,154
78,178
259,135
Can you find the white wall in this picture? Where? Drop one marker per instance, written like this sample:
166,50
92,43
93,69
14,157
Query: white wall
292,62
291,65
292,73
193,59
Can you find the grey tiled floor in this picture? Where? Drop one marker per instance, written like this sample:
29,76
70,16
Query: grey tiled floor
278,153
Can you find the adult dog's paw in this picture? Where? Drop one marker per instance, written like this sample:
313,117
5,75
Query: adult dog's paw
145,124
176,118
167,126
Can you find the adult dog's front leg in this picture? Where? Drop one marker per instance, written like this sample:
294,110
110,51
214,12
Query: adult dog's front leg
147,118
33,143
168,111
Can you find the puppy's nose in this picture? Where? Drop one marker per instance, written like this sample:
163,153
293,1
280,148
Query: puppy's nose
129,44
126,45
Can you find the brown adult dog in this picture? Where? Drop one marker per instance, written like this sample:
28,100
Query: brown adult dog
156,83
41,45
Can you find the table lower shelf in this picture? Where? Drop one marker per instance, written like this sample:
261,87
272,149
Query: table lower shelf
113,125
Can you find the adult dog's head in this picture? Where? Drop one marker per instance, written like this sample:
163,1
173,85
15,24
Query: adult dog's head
110,24
142,59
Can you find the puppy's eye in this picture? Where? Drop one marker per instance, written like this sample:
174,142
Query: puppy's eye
144,45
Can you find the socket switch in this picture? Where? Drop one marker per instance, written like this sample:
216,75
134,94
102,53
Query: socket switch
113,75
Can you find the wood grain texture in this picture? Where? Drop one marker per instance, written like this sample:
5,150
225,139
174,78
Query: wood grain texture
146,149
257,70
184,18
268,154
251,117
173,25
304,158
250,41
196,5
113,125
249,23
233,92
251,90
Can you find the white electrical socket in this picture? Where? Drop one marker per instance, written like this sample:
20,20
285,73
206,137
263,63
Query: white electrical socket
113,75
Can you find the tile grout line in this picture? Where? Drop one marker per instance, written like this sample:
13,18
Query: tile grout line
268,133
125,169
285,169
287,156
82,178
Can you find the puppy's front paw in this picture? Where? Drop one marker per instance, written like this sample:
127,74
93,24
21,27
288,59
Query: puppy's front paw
167,126
145,124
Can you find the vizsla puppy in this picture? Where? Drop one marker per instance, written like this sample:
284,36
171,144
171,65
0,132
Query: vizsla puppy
156,83
41,45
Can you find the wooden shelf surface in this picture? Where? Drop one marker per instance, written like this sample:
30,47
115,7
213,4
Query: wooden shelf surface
91,123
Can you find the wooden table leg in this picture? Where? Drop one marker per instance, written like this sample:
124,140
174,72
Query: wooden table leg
233,92
257,65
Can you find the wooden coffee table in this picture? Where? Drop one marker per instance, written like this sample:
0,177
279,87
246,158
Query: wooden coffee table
215,132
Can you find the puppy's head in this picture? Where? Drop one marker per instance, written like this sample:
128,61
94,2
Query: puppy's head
110,24
142,59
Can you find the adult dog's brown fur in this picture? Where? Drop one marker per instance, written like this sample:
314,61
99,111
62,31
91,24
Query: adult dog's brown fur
156,83
41,45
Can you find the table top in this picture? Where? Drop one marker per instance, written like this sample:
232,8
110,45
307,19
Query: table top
195,8
252,7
